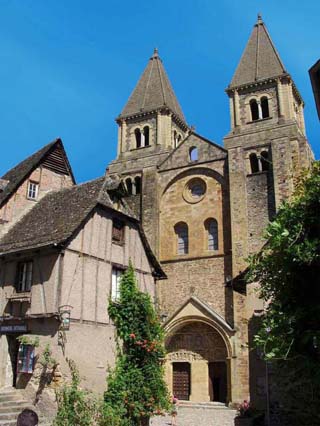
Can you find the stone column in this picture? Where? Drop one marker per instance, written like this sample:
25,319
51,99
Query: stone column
280,98
119,139
236,108
159,132
231,107
199,381
302,119
259,110
168,374
123,136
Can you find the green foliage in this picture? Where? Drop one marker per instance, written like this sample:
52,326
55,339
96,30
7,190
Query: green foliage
75,406
46,359
136,387
29,340
288,270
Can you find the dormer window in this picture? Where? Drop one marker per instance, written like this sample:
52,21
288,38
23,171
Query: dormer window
32,192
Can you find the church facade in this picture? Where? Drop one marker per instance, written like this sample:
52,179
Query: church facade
187,211
204,208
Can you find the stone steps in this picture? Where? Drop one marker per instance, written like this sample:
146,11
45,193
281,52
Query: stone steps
206,405
12,402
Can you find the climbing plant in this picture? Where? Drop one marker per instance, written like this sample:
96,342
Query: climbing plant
288,270
136,389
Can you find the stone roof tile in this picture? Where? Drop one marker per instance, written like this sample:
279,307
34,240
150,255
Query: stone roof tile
153,92
260,59
21,171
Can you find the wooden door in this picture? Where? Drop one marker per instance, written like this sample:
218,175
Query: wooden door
218,381
181,380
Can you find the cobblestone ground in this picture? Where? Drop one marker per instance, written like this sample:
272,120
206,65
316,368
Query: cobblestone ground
189,416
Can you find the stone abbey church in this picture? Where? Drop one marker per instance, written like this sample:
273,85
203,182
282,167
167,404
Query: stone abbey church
193,211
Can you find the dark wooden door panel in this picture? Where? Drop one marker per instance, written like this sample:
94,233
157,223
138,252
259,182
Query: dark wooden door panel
181,380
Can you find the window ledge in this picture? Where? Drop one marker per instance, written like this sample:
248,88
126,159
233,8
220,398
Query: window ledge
20,297
262,172
118,243
31,199
141,147
259,120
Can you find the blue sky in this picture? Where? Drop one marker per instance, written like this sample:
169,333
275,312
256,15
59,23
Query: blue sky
68,67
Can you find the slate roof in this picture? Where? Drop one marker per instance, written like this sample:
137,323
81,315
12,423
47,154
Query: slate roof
260,59
21,171
153,92
314,73
55,218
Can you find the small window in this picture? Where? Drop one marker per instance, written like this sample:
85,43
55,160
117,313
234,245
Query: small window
264,161
146,134
137,134
181,230
254,110
33,190
117,231
24,276
254,163
211,226
137,182
265,107
115,284
193,154
25,362
129,186
175,139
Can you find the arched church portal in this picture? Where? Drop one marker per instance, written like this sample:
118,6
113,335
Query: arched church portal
198,363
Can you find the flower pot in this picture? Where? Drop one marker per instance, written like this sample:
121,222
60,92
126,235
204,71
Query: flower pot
243,421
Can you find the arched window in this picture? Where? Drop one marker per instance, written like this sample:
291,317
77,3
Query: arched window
175,139
179,139
137,134
211,226
265,107
254,110
254,163
264,158
129,186
181,230
193,154
146,133
137,182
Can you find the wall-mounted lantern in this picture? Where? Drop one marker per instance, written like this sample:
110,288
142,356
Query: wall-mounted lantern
64,316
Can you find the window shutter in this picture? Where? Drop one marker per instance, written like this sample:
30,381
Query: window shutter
25,362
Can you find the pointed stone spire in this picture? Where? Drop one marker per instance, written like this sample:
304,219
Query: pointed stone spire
260,59
153,91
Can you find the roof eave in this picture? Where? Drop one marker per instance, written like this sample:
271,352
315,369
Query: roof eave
177,118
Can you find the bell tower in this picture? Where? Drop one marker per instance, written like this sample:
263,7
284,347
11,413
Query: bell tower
266,145
151,125
152,117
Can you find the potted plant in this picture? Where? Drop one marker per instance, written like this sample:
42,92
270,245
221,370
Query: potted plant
245,415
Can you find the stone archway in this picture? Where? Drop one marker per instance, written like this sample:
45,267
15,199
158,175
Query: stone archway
199,348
